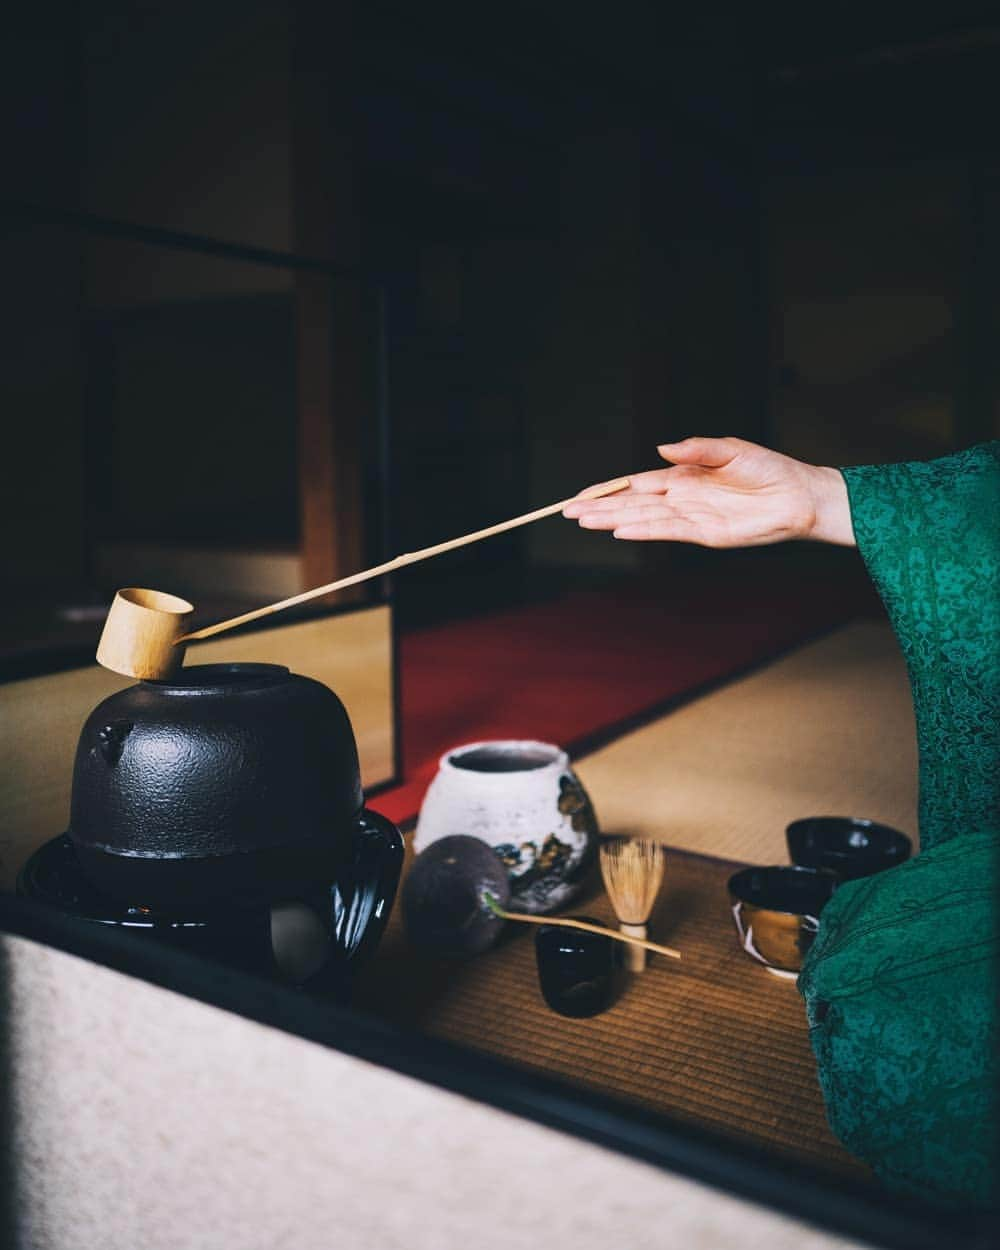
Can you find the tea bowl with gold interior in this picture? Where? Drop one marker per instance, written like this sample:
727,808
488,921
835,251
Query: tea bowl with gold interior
776,911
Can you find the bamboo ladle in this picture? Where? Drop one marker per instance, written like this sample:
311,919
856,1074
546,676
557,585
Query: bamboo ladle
143,635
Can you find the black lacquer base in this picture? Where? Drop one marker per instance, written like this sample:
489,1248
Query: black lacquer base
236,935
185,882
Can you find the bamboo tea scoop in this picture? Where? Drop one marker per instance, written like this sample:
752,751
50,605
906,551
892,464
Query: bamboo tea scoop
143,635
562,923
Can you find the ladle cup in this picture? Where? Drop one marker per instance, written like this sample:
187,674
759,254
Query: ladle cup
140,636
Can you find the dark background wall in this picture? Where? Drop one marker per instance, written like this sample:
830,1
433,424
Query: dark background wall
595,232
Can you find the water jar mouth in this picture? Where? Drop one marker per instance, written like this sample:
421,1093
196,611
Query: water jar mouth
504,757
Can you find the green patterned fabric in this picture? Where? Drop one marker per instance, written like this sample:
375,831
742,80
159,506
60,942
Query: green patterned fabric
901,983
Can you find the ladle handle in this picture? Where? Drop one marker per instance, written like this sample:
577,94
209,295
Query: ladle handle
597,492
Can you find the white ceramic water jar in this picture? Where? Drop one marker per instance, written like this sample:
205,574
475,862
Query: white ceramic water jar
522,799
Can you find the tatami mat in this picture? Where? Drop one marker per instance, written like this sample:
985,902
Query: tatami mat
828,730
713,1039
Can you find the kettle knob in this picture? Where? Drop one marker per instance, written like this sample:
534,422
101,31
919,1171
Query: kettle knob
111,740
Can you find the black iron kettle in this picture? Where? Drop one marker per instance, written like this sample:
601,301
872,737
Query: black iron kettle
234,785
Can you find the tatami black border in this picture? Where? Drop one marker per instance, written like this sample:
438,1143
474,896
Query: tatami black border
840,1206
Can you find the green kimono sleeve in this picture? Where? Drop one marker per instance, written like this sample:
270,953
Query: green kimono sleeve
901,983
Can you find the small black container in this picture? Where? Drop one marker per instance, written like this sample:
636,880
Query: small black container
576,969
849,846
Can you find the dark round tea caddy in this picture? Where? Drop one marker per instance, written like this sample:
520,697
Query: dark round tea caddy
576,970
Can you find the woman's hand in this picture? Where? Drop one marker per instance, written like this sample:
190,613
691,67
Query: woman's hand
724,492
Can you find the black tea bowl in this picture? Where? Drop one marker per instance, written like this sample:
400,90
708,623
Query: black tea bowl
847,845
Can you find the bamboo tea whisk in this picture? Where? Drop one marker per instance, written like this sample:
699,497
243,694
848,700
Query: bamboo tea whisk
632,869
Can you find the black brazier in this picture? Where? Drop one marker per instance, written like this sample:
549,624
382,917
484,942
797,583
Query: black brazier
235,783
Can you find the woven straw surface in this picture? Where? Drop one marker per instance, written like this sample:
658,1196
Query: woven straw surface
713,1038
825,731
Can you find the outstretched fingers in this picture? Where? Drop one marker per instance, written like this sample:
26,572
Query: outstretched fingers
615,504
650,519
653,482
711,452
672,527
628,512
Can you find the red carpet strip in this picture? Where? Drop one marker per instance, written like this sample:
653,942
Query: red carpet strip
575,668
